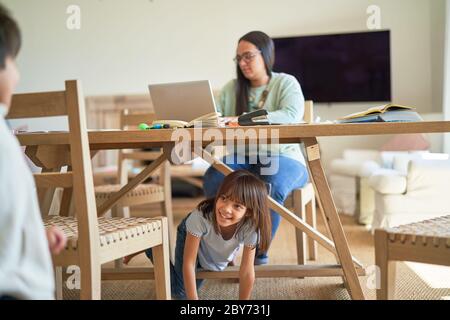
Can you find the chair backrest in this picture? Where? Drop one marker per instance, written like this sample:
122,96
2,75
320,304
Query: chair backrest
68,102
309,114
42,104
131,121
308,117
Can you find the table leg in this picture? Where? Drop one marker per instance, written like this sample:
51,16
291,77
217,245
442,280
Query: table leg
330,212
285,213
341,249
324,218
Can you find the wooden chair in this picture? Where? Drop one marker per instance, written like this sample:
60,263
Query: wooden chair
304,203
158,191
92,241
426,242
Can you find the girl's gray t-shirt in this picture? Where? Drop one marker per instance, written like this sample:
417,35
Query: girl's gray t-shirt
214,252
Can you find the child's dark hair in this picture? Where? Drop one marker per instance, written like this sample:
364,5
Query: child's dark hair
10,38
245,188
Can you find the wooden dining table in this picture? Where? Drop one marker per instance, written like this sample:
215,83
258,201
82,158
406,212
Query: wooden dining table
50,151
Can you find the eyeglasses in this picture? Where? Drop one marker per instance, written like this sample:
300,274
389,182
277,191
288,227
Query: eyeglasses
247,56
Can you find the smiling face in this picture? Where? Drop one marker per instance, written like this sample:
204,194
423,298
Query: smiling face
251,61
228,212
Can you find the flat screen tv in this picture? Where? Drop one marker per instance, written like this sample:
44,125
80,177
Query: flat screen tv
351,67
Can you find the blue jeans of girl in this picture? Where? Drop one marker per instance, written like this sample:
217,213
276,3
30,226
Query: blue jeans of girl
291,174
176,270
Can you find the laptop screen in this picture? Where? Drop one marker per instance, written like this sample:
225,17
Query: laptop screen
182,100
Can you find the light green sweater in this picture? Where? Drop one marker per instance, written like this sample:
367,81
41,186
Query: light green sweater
285,104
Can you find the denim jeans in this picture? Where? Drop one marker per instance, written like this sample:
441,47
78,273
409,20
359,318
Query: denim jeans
291,174
176,271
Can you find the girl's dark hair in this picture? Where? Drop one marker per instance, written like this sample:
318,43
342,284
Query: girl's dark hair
10,38
245,188
265,44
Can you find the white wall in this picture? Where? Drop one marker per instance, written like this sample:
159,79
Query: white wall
124,45
437,53
446,85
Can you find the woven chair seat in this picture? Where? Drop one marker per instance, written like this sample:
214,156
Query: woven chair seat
105,191
143,193
437,229
112,230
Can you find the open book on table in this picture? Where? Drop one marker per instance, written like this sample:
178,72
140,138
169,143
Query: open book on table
384,113
207,120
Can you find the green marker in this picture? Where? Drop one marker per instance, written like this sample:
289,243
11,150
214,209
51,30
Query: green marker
143,126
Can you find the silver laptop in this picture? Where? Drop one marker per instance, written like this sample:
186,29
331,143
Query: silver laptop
182,100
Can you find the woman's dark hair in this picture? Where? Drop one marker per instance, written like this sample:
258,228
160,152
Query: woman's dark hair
10,38
265,44
245,188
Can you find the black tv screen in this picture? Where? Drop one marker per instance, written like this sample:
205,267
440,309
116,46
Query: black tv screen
352,67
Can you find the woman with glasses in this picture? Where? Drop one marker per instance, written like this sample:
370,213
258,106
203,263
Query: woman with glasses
258,87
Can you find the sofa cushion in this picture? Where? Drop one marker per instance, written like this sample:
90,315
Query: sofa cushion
360,155
345,167
388,181
368,168
401,161
396,209
429,177
344,193
387,158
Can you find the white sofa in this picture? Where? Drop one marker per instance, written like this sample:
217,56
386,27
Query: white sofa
348,181
415,189
349,178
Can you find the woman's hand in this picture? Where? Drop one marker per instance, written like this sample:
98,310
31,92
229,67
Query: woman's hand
56,240
228,121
